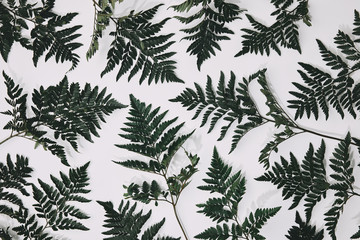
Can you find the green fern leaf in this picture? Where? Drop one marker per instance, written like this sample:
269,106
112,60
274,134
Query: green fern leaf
53,202
356,235
284,32
304,231
228,103
307,180
210,26
64,109
255,221
138,47
126,223
341,164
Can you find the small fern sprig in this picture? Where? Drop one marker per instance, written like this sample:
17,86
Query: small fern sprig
284,32
230,103
230,187
50,34
304,231
53,202
126,223
65,109
320,90
138,45
309,181
210,26
152,136
343,186
306,181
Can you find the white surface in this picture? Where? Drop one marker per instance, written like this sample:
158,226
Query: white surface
107,178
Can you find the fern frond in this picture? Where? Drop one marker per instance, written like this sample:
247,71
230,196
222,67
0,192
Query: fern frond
53,202
284,32
304,231
137,46
145,193
125,223
272,145
356,235
150,134
252,224
229,103
307,180
341,165
17,100
13,181
219,232
210,26
65,109
321,90
230,185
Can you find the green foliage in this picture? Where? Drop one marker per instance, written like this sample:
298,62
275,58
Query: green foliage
209,25
13,177
138,45
152,136
323,91
344,180
64,109
126,223
53,203
356,235
233,105
49,32
307,180
304,231
284,32
231,188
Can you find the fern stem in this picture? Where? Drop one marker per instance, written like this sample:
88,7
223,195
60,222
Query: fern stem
310,131
11,136
173,204
178,219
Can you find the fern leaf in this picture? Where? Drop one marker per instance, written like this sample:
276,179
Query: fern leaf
255,221
210,26
53,202
125,223
284,32
304,231
218,232
229,103
307,180
356,235
138,47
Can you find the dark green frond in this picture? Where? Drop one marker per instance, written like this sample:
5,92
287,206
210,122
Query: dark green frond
126,223
228,102
65,109
17,100
53,202
306,180
341,165
209,26
139,48
356,235
230,185
145,193
320,90
284,32
252,224
304,231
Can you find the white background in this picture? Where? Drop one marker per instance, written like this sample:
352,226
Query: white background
107,178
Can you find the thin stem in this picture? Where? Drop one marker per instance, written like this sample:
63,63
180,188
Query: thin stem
11,136
173,204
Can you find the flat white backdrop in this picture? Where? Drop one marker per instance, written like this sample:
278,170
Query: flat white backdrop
107,178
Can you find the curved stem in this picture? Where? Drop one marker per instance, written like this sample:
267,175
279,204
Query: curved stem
11,136
178,220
